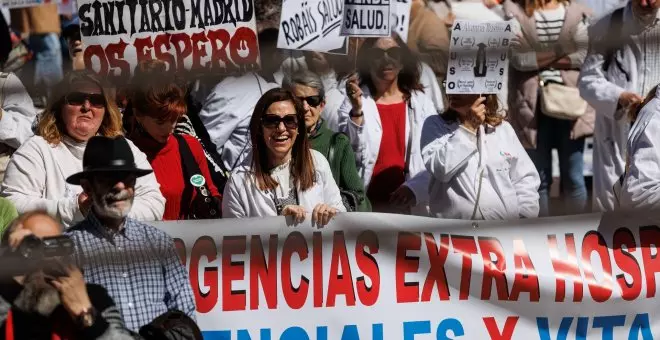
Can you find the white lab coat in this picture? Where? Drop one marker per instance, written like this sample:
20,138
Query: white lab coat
602,91
365,139
641,184
226,114
456,157
431,87
18,113
242,197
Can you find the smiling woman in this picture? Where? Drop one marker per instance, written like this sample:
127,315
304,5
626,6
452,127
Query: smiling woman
285,177
82,106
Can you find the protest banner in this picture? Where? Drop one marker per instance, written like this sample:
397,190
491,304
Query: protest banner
311,25
199,36
395,277
401,18
366,18
478,57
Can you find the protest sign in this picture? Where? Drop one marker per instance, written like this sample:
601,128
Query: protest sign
400,20
379,276
478,57
366,18
201,36
312,25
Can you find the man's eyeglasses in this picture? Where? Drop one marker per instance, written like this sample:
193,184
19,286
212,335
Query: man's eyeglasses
312,101
96,100
273,121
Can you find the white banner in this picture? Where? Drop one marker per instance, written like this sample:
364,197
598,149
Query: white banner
366,18
395,277
311,25
400,20
478,57
189,35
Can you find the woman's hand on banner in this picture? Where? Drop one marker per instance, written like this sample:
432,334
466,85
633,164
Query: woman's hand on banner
322,214
295,211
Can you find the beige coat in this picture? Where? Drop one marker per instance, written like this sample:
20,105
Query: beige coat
524,86
40,19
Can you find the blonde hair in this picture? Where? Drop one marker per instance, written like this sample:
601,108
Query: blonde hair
51,125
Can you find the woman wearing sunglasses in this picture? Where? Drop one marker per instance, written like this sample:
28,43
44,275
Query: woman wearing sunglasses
383,117
308,87
285,177
480,170
157,103
81,107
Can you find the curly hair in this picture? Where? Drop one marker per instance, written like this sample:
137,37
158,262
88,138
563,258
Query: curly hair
51,125
493,117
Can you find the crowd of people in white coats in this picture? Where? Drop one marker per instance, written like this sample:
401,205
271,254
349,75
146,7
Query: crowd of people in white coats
311,135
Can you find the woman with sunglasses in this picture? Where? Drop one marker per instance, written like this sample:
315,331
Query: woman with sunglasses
285,177
308,87
82,106
383,117
157,103
480,170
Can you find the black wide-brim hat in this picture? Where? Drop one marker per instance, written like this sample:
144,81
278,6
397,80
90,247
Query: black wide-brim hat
107,155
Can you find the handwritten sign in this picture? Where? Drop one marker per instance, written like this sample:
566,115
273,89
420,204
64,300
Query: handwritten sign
312,25
197,36
366,18
478,60
400,19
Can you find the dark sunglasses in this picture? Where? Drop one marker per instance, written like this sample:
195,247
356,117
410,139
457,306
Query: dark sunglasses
312,101
393,52
273,121
96,100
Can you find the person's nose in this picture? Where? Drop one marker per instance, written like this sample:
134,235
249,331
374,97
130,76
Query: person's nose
306,106
120,185
86,106
281,127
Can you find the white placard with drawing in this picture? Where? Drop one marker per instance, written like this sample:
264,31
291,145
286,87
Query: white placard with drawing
478,60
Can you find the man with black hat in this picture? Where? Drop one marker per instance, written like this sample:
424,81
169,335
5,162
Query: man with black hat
135,262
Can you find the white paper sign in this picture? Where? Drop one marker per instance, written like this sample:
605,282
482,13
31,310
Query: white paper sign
400,19
311,25
366,18
478,61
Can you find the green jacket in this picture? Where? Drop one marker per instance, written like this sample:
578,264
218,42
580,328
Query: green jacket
343,168
7,213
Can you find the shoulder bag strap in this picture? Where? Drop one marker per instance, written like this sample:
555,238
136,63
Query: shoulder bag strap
480,172
406,167
190,168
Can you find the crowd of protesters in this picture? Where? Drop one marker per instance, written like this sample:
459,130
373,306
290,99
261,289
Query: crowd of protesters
308,136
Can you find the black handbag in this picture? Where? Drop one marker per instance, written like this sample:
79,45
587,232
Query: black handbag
204,206
350,198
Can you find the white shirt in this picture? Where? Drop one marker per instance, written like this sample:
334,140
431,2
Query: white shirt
456,158
18,113
226,115
36,180
243,198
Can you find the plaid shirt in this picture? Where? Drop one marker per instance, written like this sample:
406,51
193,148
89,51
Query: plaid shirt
137,265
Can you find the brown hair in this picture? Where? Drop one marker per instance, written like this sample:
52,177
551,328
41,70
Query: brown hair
493,116
51,125
530,6
634,110
156,93
302,165
408,80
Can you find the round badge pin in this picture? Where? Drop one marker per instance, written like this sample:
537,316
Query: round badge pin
197,180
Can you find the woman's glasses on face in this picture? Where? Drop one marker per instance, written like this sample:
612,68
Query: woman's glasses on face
312,101
273,121
96,100
393,53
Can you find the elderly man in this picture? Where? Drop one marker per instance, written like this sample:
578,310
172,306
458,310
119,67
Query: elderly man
45,305
623,66
136,262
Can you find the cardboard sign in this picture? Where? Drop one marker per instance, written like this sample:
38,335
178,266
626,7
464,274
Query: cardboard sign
200,36
366,18
400,20
311,25
478,60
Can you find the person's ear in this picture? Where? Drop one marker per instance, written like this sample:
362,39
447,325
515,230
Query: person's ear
322,106
87,186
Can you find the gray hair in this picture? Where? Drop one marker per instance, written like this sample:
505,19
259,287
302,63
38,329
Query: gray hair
305,78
